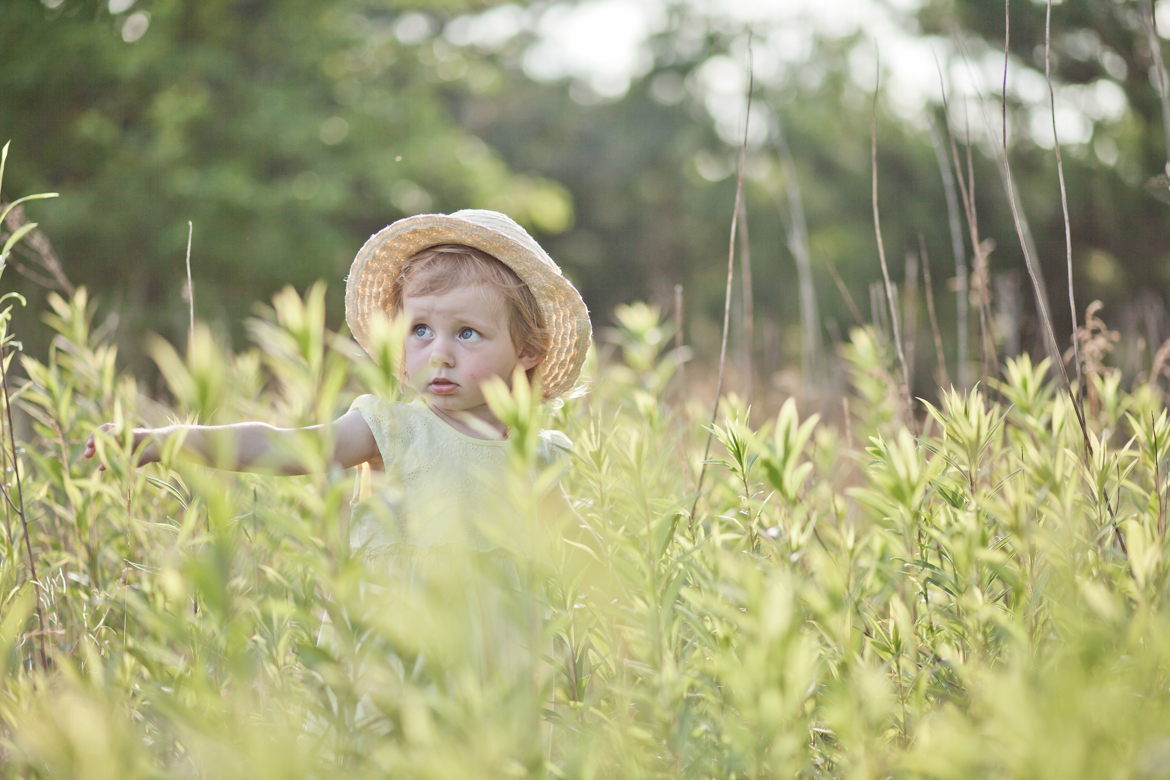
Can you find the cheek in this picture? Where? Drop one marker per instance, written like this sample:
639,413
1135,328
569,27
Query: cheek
474,367
413,357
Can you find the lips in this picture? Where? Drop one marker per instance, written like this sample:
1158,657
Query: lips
443,386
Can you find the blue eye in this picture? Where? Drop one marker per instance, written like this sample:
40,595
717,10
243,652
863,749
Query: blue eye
421,331
469,334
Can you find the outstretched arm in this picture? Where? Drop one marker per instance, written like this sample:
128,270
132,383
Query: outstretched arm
255,446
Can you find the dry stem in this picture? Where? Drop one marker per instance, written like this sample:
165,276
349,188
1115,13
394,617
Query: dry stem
940,356
956,226
877,227
727,296
32,561
749,316
1063,203
797,230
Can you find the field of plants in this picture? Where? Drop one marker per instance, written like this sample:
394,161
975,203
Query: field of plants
850,583
966,594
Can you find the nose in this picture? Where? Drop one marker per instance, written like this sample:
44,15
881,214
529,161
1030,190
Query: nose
441,353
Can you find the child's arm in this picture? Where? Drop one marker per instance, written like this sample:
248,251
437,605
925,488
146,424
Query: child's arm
254,446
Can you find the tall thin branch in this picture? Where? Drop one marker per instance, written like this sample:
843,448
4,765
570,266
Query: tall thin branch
797,230
957,248
978,277
678,337
939,354
32,561
190,284
1032,265
1072,303
841,288
1151,25
877,228
727,296
1007,39
749,314
910,309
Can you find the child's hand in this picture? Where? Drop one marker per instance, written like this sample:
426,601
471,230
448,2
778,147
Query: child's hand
140,435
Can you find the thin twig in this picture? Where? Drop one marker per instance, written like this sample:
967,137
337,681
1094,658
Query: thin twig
982,272
1046,316
678,334
749,316
1072,303
1037,284
979,275
841,288
1007,39
727,296
910,309
32,562
939,354
797,230
1151,25
190,284
956,226
877,228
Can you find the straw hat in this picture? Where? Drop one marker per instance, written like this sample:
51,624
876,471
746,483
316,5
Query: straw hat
565,315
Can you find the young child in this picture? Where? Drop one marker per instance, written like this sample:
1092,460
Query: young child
480,299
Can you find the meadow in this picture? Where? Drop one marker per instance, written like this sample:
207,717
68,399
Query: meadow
958,594
975,588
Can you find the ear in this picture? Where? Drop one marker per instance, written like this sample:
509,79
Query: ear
529,360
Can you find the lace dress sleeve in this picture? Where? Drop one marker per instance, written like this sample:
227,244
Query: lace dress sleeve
372,520
379,416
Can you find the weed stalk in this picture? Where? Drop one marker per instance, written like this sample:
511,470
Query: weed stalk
939,354
32,561
727,296
954,220
797,234
877,228
1063,205
749,316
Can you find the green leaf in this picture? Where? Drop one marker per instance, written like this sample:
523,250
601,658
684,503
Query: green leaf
954,498
26,198
11,242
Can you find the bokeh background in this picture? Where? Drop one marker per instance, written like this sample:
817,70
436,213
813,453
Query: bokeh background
287,132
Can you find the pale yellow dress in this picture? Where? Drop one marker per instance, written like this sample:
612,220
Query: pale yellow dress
441,487
437,523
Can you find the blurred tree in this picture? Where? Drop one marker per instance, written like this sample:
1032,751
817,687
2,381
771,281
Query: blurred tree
653,182
287,132
1109,82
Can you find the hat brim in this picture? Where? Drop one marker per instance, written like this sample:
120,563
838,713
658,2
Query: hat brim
566,317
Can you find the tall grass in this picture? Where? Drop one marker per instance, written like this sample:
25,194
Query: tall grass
947,605
956,602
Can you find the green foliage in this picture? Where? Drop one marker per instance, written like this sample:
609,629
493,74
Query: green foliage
287,133
962,606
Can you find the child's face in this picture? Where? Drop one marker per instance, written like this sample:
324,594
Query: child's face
455,341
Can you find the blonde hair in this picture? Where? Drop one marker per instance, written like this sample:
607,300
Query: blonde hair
439,269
